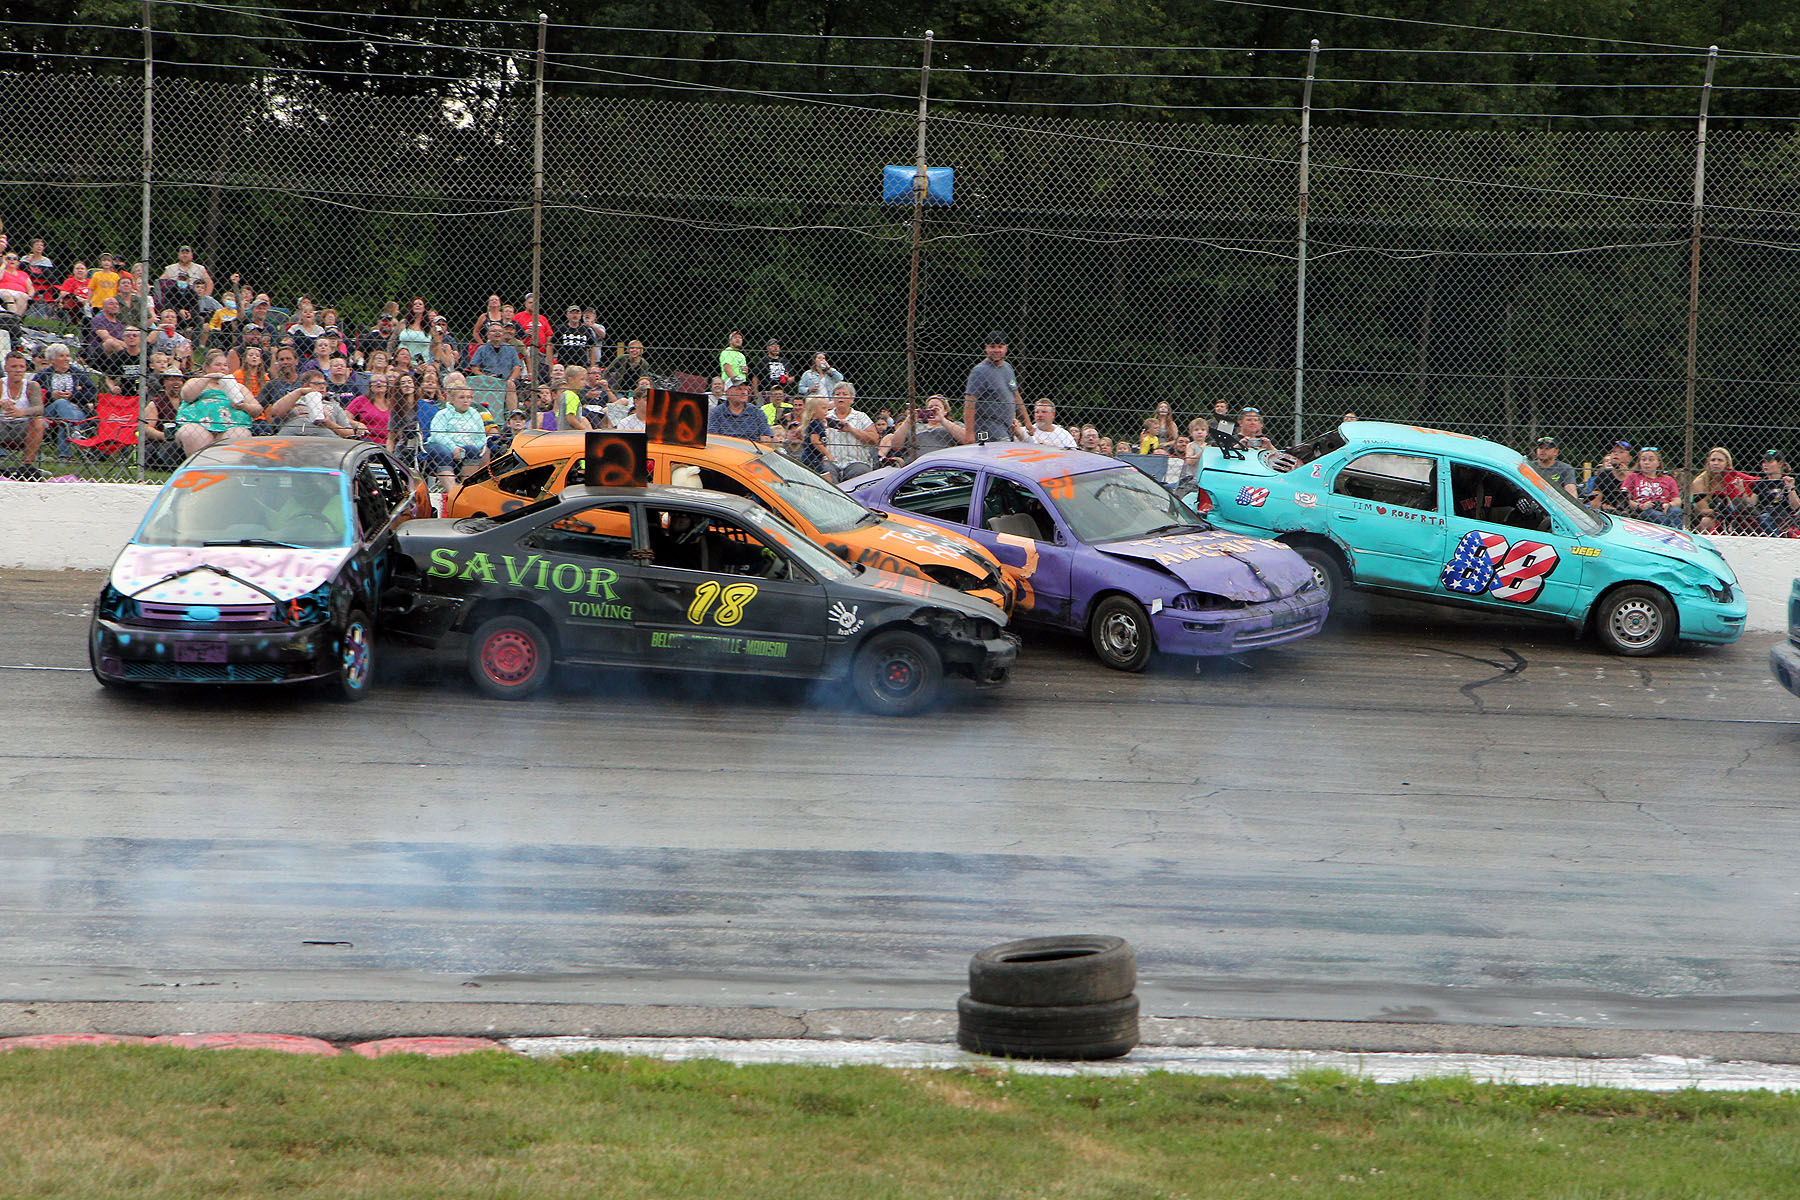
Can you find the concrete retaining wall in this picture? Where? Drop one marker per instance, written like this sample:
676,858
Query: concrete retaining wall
80,526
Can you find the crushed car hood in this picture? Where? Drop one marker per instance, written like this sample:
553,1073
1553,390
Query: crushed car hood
1673,543
284,573
1222,564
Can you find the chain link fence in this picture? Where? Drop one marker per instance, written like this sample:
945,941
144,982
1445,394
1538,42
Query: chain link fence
1509,283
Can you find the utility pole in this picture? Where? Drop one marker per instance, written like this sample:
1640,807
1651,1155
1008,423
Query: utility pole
537,226
1312,58
920,182
144,237
1693,324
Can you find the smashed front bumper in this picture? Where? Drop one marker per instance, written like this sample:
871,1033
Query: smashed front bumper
1202,632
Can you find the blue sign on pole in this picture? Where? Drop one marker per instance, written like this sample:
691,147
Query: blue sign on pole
897,185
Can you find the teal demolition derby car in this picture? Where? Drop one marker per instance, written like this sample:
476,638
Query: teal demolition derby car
1454,519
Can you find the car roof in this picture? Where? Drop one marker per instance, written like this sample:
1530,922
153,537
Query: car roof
278,452
1038,464
1360,435
666,493
535,446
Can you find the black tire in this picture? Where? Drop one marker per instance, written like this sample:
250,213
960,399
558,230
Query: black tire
1328,573
1121,635
509,657
1081,1032
1068,970
1636,621
897,673
356,659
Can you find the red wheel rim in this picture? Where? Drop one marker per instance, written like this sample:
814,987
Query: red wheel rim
509,657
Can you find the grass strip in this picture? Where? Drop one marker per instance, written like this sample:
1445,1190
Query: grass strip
162,1122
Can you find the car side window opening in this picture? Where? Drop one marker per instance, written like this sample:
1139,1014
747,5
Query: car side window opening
529,482
698,541
371,500
1402,480
718,481
942,492
602,531
1009,507
1483,495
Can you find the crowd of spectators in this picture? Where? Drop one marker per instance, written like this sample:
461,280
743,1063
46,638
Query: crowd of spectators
227,362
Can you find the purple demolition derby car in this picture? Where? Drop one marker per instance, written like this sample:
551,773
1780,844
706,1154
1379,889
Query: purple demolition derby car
1095,546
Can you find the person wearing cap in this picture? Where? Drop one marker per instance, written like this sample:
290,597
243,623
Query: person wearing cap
1250,430
157,422
177,288
1606,489
1557,474
1777,503
737,417
383,335
733,367
772,371
991,399
500,441
575,344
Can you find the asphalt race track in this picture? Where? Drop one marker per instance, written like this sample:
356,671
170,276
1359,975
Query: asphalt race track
1415,817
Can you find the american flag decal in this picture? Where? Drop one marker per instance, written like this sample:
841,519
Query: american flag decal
1483,562
1252,497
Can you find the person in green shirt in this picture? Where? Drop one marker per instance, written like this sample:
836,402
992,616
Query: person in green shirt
732,364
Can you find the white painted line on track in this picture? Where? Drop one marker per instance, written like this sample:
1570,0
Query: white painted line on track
33,667
1649,1073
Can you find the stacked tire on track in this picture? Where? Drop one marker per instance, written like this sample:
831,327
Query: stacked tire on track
1068,997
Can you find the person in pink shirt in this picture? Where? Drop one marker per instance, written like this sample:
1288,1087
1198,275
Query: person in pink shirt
375,411
1651,493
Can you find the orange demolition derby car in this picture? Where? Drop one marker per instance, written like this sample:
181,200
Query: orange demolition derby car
542,464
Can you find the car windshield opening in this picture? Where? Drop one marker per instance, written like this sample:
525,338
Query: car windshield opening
1562,502
245,506
1122,504
823,506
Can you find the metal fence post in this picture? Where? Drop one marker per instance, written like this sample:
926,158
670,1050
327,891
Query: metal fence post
144,241
1693,316
1312,58
536,313
920,182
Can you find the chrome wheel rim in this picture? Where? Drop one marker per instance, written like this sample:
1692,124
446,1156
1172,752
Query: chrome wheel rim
1636,623
1120,635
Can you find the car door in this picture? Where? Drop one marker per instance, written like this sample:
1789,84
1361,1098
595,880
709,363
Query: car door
718,593
1021,528
580,569
945,495
1505,547
1387,507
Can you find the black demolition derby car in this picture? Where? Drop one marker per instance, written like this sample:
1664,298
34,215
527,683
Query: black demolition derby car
260,561
676,578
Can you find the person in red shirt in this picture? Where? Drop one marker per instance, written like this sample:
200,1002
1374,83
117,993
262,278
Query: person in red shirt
534,327
1651,493
15,285
1724,499
74,291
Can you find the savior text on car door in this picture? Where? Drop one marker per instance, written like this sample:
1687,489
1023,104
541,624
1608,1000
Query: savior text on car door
1505,547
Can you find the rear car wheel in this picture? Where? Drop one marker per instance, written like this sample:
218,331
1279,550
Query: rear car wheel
356,658
1635,621
1120,631
897,673
1326,571
509,657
